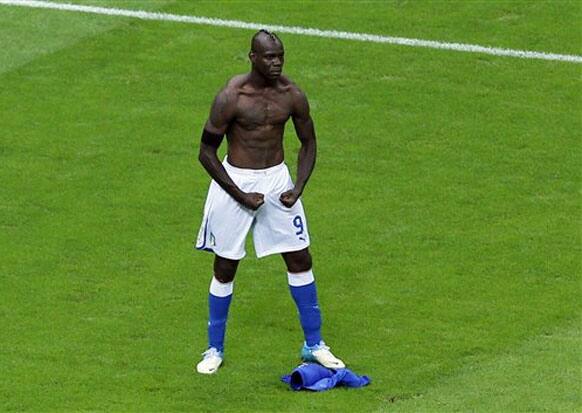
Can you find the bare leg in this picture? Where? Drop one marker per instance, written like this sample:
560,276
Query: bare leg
298,261
225,269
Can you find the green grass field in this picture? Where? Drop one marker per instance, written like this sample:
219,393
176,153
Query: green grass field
445,210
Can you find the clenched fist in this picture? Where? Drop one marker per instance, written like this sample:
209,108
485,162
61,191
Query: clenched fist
252,200
288,198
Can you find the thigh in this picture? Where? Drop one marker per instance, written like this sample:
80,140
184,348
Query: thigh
280,229
277,228
225,225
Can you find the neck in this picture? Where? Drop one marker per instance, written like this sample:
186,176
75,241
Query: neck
260,81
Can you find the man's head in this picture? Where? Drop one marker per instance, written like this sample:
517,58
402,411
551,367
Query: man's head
267,54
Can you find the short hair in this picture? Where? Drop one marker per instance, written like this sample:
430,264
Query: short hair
271,35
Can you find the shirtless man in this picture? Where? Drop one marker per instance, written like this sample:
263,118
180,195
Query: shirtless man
252,190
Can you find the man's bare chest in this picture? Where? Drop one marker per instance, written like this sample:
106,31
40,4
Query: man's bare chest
254,111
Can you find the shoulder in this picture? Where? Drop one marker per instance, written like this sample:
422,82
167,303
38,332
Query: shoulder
230,91
297,95
236,82
291,87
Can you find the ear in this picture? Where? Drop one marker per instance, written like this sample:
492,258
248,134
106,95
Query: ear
252,56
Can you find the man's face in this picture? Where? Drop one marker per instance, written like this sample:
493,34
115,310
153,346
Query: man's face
268,58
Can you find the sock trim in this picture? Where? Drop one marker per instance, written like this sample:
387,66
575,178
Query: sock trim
299,279
219,289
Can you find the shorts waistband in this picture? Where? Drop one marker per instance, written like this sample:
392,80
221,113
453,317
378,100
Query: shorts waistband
248,171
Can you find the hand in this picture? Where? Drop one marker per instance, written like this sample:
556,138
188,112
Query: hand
252,200
288,198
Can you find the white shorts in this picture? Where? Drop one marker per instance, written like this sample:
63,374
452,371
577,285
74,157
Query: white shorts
275,227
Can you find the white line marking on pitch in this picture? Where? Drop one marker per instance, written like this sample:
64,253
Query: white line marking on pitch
332,34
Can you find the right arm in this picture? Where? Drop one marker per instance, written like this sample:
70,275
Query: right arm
221,115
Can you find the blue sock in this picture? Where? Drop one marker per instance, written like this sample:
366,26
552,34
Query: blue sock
218,305
302,286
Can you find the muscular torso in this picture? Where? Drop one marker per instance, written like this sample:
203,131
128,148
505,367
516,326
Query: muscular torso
255,134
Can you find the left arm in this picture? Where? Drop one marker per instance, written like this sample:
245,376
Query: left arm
306,159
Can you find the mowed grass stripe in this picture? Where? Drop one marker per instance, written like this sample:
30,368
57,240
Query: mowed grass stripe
34,34
84,236
545,362
305,31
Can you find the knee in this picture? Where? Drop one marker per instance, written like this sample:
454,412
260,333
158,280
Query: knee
225,269
299,261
